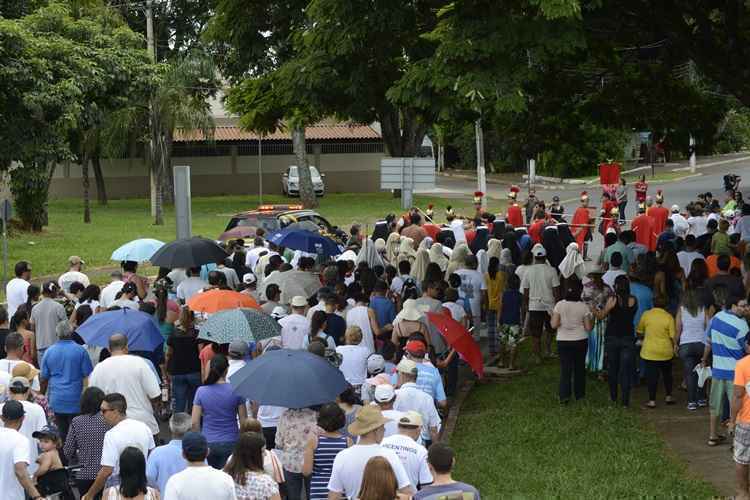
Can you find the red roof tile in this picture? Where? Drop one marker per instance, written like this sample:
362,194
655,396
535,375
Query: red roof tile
322,132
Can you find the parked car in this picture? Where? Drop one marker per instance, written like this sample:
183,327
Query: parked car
274,217
290,181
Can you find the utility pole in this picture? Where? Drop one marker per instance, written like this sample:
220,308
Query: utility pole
481,174
150,47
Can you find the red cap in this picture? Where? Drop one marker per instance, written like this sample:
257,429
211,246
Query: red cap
416,347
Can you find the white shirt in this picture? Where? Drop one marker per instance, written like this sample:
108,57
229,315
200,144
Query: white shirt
413,456
268,415
252,256
190,287
234,366
472,284
34,420
686,259
411,398
132,377
294,328
109,292
609,277
125,304
14,449
697,225
177,276
354,363
15,294
457,312
129,432
231,276
200,483
67,279
7,365
320,306
540,279
349,467
359,315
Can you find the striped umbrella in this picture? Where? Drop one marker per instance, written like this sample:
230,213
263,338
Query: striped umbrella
238,324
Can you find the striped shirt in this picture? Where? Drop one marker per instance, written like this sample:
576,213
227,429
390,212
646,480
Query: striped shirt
727,333
323,458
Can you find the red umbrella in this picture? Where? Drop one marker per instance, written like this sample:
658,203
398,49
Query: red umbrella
459,339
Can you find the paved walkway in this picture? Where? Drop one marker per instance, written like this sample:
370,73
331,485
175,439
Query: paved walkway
686,434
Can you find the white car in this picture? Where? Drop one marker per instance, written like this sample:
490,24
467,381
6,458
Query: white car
290,181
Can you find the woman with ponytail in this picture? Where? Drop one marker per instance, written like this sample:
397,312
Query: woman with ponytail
219,407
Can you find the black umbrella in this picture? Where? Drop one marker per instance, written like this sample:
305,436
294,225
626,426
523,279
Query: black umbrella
188,252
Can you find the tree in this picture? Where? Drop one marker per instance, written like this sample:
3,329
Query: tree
52,66
256,52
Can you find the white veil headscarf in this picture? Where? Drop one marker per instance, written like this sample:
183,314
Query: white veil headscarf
458,258
572,263
437,256
494,248
419,269
368,253
406,247
391,247
425,244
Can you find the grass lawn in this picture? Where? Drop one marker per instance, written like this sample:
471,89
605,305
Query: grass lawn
513,440
125,220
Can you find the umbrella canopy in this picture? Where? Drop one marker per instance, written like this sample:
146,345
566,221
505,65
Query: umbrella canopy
140,329
137,250
289,378
239,324
218,300
188,252
459,339
238,232
306,241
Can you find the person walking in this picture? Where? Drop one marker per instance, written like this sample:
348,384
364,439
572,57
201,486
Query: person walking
572,319
541,287
619,339
413,455
658,330
167,460
124,432
35,419
215,411
322,448
410,397
725,345
690,330
182,363
246,469
199,481
65,370
86,439
441,459
133,483
739,425
495,280
379,481
131,376
15,455
295,327
45,316
622,198
16,289
295,428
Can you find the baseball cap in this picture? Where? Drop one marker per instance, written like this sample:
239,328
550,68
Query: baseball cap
384,393
416,348
13,410
248,279
74,260
675,208
238,347
411,419
278,312
375,364
538,251
407,366
299,301
21,383
194,444
46,431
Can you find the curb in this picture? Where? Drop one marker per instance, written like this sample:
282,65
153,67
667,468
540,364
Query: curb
713,164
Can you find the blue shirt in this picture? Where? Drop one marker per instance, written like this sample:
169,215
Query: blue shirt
645,297
727,333
65,364
219,404
385,311
428,380
164,462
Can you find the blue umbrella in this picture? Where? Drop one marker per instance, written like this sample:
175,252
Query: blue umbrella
305,241
289,378
137,250
140,329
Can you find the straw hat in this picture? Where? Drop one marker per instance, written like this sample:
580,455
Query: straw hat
25,370
367,420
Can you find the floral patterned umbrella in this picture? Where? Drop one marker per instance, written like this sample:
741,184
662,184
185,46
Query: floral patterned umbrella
238,324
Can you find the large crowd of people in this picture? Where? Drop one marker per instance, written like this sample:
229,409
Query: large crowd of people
115,423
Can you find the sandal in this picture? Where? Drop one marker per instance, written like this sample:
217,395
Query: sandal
649,406
715,441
